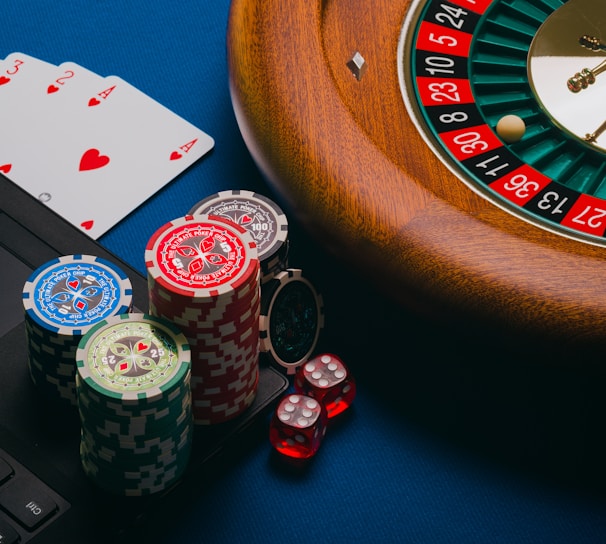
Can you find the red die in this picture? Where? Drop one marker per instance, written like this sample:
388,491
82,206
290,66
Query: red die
326,379
298,426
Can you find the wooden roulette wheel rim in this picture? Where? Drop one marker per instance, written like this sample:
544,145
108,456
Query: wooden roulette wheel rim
349,163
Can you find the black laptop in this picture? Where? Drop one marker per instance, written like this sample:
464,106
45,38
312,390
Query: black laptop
45,496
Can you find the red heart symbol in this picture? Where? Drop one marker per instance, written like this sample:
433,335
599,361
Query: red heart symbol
245,219
94,101
52,89
4,80
92,160
73,284
6,168
141,346
175,155
87,225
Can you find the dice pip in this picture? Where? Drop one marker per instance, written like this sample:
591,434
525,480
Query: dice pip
298,426
326,379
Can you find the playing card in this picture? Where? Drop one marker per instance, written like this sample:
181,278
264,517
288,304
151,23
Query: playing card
35,103
17,98
91,148
119,147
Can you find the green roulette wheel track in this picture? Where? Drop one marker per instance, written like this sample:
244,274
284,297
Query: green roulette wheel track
395,162
497,71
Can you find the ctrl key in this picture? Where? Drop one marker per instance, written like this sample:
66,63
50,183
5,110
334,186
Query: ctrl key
24,501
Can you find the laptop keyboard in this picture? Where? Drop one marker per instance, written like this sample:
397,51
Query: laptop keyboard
34,491
27,505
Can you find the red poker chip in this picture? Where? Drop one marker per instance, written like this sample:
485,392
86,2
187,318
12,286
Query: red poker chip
220,380
231,401
221,392
224,364
220,347
228,330
228,372
235,374
229,298
205,414
225,345
204,276
198,317
233,366
227,333
227,327
201,257
208,313
226,406
225,330
224,402
208,318
222,356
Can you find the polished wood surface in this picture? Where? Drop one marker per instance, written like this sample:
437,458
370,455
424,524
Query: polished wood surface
348,162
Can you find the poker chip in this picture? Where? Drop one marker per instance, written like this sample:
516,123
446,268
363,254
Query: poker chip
292,316
203,275
133,385
63,299
261,217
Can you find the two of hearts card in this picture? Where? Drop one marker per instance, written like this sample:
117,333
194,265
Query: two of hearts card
92,148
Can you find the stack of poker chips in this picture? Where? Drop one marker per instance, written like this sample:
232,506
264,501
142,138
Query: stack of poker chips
204,276
292,312
63,299
261,217
134,398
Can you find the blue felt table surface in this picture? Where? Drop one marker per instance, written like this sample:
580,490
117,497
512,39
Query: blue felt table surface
453,437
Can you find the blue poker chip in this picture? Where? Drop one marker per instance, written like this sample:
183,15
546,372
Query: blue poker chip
63,299
70,294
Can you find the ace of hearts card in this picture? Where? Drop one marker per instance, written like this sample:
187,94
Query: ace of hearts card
92,148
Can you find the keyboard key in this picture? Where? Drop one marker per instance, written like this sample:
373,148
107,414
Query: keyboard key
6,471
27,503
8,535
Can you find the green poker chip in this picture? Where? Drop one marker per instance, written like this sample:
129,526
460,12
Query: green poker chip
133,375
133,357
62,300
130,482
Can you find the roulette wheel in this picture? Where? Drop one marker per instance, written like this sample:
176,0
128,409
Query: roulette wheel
452,152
